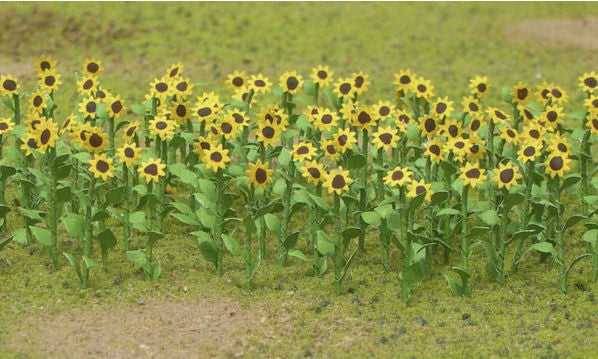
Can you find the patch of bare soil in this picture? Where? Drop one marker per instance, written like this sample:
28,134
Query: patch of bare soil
559,32
153,329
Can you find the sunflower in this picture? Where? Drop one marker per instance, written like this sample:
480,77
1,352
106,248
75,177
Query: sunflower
404,80
434,150
207,108
344,139
175,70
321,75
442,107
403,119
33,120
476,122
242,95
416,188
228,128
476,149
592,124
290,81
330,151
88,107
506,175
152,170
162,127
386,138
44,63
479,86
557,143
115,106
349,110
68,123
529,151
311,112
259,83
37,100
215,158
182,87
429,126
533,131
237,80
543,91
5,126
364,119
591,103
80,132
423,88
101,166
589,81
509,134
268,134
273,115
383,110
471,105
451,128
129,154
238,117
557,165
92,67
46,135
179,111
96,140
49,80
361,82
526,113
101,94
202,144
259,174
398,177
8,85
30,144
459,147
497,115
324,119
314,172
552,117
521,93
344,87
472,175
130,131
303,151
160,88
558,95
337,181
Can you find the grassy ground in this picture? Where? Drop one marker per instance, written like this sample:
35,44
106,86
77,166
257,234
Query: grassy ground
448,43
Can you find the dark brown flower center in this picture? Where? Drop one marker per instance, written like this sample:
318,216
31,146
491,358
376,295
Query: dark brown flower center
342,140
302,150
475,125
322,74
174,72
397,175
556,163
96,140
3,126
216,156
116,106
161,87
160,125
259,83
473,107
292,83
268,132
500,115
421,88
90,107
261,175
92,67
131,131
331,150
364,117
595,123
562,147
238,118
590,82
511,133
440,108
50,80
182,86
359,80
405,80
430,125
226,127
238,81
453,130
102,166
552,116
435,149
482,87
37,101
534,134
384,111
45,136
129,152
522,93
338,182
151,169
326,119
506,175
473,173
556,93
9,85
314,172
419,190
385,138
345,88
204,111
44,65
181,110
529,151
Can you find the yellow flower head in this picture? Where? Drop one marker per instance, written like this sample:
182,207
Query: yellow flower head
237,80
303,151
521,93
506,175
322,75
361,82
259,83
557,165
442,107
398,177
92,67
337,181
344,87
162,127
115,106
589,81
49,80
344,139
259,174
416,188
434,150
152,170
479,86
290,81
44,63
314,172
5,126
472,175
101,167
215,158
129,154
386,138
404,80
8,85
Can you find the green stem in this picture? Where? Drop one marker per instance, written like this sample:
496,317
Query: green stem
17,104
126,209
464,239
363,190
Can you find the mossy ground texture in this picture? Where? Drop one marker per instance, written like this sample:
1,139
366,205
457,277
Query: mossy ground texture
297,314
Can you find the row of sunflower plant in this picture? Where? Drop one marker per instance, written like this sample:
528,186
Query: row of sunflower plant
317,166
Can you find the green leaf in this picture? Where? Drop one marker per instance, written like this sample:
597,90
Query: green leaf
477,231
183,174
233,246
186,219
107,240
75,264
512,200
544,247
137,257
100,215
351,233
42,235
448,212
573,220
490,217
207,219
357,161
138,220
591,236
570,181
279,187
290,240
89,263
384,210
6,172
298,254
284,158
320,202
455,286
394,221
74,224
272,222
83,157
249,224
416,202
439,197
323,244
207,249
371,218
20,236
115,195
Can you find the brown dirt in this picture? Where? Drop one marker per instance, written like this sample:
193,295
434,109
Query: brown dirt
151,329
559,32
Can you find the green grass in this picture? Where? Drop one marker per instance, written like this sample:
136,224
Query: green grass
447,43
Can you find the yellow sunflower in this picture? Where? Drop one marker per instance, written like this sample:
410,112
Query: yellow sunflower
215,158
182,87
471,105
44,63
30,144
509,134
403,119
498,116
344,139
337,181
386,138
558,95
179,111
152,170
423,88
476,149
97,140
92,67
162,127
175,70
259,83
476,122
416,188
589,81
8,85
259,174
383,110
552,117
50,80
202,145
324,119
101,166
237,80
330,151
268,134
543,91
160,88
115,106
314,172
472,175
344,87
364,119
557,143
429,126
479,86
434,150
533,131
88,107
303,151
46,135
529,151
272,115
322,75
228,128
506,175
129,154
557,165
442,107
398,177
238,117
361,82
290,81
521,93
451,128
404,80
130,131
526,113
79,133
459,147
68,123
5,126
591,103
592,124
37,100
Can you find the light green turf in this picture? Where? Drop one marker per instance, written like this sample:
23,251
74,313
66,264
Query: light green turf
448,43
